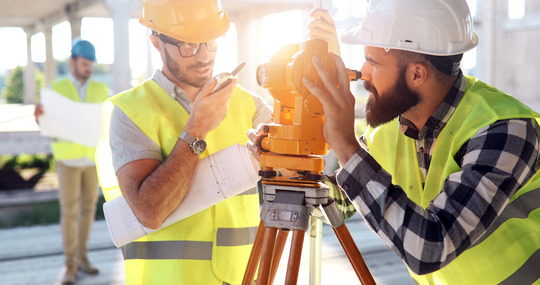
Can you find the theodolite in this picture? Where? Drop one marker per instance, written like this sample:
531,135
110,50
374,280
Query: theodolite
294,142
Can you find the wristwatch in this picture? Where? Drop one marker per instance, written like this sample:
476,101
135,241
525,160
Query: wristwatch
197,145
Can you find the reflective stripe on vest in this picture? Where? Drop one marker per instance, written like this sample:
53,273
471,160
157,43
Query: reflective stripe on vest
96,93
181,249
511,243
528,273
168,249
520,208
223,233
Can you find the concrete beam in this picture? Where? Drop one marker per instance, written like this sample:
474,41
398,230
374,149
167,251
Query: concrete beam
70,9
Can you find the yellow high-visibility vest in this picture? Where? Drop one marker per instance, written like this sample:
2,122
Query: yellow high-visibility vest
96,93
510,251
212,246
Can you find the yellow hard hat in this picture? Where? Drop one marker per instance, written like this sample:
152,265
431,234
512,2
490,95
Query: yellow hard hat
193,21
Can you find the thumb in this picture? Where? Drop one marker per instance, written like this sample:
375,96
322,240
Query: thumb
207,89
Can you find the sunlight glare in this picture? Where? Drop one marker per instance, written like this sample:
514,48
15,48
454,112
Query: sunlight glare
99,31
227,54
516,9
281,29
61,40
38,47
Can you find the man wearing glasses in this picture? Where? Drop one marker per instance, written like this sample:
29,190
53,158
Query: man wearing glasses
159,130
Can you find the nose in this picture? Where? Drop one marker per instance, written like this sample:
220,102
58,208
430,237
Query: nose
366,71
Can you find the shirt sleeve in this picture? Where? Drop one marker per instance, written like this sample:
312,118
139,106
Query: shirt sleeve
128,143
495,162
263,112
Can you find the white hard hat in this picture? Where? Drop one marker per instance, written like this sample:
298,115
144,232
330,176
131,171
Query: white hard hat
436,27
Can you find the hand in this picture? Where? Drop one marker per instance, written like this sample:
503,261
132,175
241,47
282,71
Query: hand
338,105
209,109
323,27
252,144
38,111
255,150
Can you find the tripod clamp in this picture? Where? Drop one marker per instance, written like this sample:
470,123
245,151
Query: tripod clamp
289,207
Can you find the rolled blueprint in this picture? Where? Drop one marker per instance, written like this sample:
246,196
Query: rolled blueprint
217,177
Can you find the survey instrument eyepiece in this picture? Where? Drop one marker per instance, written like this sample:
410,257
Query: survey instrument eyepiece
354,75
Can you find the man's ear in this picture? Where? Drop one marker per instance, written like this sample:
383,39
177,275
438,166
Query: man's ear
156,42
417,74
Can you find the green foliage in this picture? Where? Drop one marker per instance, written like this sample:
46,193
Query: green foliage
14,90
26,161
12,167
360,127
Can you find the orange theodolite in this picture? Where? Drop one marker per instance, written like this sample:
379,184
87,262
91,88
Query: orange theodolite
295,140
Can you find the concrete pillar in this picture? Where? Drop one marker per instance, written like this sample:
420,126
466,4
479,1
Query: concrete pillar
50,64
75,24
29,72
121,11
487,23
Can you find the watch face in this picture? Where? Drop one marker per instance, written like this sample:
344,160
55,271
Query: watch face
199,146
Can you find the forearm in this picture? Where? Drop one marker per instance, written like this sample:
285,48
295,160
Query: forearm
471,199
391,214
153,198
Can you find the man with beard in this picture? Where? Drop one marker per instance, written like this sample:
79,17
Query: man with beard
158,132
446,173
75,165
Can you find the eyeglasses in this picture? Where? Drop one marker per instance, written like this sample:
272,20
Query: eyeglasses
189,49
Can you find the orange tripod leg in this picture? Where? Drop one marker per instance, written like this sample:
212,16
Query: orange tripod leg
294,258
281,240
255,256
267,255
355,258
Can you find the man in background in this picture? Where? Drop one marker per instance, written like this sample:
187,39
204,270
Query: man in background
75,166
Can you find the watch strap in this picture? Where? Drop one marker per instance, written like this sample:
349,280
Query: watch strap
191,141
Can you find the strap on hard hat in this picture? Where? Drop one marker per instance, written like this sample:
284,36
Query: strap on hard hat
448,65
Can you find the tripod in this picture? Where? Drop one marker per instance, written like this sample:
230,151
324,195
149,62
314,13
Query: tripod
287,208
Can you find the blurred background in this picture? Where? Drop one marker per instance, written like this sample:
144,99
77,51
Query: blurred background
36,36
35,41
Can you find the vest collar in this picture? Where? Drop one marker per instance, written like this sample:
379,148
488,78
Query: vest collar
436,123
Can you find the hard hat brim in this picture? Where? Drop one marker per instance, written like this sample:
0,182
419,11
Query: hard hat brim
357,36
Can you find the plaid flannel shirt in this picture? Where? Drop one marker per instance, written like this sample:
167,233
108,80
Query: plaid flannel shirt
495,162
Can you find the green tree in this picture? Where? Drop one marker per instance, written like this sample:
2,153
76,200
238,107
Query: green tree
14,89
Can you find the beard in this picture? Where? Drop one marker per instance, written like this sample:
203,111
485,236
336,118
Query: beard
80,73
183,75
383,108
